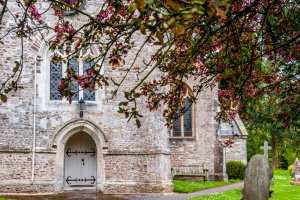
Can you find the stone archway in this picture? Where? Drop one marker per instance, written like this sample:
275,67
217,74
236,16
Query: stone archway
60,140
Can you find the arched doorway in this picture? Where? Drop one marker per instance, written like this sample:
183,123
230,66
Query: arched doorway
80,161
65,134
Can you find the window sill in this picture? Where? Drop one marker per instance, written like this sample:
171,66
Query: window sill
66,106
182,138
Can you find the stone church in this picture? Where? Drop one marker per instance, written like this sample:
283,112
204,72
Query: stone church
49,145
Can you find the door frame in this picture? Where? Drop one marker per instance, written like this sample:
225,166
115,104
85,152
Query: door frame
59,141
80,136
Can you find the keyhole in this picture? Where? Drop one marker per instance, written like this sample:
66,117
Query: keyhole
82,161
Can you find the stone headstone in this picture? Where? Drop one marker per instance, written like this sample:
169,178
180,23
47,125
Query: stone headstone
257,179
296,173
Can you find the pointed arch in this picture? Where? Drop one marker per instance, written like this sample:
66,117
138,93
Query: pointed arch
60,139
183,127
49,76
73,126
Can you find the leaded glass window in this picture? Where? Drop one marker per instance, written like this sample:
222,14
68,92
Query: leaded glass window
183,126
187,119
72,5
82,64
72,63
87,94
55,76
176,128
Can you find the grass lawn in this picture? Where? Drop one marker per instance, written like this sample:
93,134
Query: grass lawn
192,186
282,190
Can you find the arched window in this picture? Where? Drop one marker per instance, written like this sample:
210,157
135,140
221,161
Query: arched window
69,10
80,65
183,126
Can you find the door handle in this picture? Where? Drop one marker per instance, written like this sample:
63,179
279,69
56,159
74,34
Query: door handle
82,161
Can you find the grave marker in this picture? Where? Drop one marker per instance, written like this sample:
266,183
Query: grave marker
257,179
266,148
296,173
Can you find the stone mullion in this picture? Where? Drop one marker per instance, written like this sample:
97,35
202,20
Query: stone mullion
182,125
80,72
64,72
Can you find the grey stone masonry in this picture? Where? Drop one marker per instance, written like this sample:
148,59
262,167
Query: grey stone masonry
128,159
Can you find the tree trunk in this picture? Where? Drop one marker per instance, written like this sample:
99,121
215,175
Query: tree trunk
274,152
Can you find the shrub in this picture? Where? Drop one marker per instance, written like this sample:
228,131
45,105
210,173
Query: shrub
235,169
290,168
283,164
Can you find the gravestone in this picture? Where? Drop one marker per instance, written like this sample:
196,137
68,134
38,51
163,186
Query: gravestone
296,173
257,179
266,148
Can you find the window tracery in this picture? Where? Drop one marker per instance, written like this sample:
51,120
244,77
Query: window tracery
81,65
72,5
183,126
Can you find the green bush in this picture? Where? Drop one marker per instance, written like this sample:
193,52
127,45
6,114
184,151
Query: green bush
290,169
283,164
235,169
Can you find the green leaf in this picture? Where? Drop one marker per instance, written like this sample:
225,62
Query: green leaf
137,20
132,7
15,69
126,94
171,22
178,30
141,4
234,104
156,43
149,2
120,110
7,90
17,63
173,5
3,98
123,103
143,29
226,73
160,37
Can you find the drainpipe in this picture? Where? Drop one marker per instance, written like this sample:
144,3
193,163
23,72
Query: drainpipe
34,120
34,116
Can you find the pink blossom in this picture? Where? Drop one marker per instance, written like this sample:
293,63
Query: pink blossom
35,14
220,92
89,73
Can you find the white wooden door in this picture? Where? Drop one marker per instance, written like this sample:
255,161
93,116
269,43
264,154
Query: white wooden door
80,161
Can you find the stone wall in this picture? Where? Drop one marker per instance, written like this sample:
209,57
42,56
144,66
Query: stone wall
126,145
132,160
238,151
201,148
137,173
16,174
